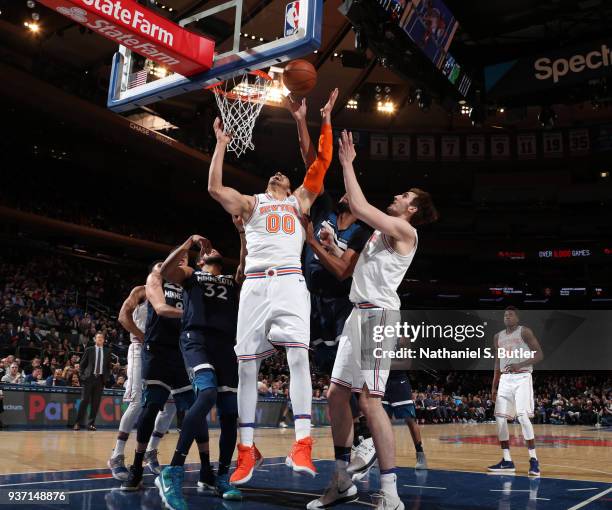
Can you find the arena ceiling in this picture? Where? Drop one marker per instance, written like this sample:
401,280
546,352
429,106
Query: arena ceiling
65,53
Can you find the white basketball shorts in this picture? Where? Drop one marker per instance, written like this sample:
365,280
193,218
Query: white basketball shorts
274,312
514,395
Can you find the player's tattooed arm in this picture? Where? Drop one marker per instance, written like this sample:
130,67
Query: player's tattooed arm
397,228
137,295
298,110
232,201
239,277
496,372
155,296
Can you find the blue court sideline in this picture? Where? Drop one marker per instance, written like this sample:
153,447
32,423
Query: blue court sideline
275,487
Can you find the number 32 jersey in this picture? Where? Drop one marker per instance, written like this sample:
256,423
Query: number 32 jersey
210,303
274,234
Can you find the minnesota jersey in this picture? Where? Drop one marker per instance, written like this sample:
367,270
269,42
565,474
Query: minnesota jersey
379,272
164,330
274,234
210,302
512,342
139,315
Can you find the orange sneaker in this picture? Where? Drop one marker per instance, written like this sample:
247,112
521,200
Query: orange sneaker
300,458
249,459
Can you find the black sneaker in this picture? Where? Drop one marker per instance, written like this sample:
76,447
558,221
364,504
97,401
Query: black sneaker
134,480
207,479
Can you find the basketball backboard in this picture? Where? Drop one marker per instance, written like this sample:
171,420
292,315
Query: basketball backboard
248,34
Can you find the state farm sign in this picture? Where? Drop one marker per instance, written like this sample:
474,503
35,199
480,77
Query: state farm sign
142,31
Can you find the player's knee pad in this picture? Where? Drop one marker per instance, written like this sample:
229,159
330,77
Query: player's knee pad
526,426
502,428
227,404
204,379
247,370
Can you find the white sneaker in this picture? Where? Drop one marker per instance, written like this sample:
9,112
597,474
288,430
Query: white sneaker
385,502
363,459
335,495
421,462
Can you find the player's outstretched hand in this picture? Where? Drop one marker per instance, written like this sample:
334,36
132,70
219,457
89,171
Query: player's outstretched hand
346,148
222,136
296,108
327,109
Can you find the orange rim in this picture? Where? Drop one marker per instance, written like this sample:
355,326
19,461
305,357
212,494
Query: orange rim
217,88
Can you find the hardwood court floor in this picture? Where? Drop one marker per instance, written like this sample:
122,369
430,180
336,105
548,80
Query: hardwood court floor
578,452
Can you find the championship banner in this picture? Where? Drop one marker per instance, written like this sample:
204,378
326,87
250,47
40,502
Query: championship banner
142,31
569,66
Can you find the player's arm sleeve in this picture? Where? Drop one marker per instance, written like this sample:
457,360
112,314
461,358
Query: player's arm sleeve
359,240
313,181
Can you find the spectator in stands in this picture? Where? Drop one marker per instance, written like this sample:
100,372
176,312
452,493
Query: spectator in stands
558,416
75,382
573,412
14,376
119,383
56,379
36,377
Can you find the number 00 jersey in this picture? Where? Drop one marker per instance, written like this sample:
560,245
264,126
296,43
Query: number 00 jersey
379,272
274,234
210,302
164,330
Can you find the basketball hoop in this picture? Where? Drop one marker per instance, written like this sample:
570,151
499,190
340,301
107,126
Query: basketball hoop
240,99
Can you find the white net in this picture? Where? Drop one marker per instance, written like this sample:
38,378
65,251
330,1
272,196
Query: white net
240,99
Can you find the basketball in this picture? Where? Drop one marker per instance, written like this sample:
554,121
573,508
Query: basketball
300,77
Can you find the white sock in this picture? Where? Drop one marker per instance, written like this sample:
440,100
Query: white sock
119,448
388,485
247,399
506,453
341,465
246,436
153,442
302,428
532,453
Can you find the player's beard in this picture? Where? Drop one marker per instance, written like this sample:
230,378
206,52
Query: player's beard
209,261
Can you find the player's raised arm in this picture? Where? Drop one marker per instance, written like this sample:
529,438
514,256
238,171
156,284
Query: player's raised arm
312,186
155,296
173,268
298,110
396,227
231,200
127,309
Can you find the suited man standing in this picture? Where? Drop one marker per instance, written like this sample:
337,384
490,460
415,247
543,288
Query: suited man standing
95,370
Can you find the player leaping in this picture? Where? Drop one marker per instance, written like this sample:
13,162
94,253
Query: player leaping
274,306
379,271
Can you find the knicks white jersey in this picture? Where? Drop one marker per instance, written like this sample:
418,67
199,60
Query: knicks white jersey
274,234
139,315
512,342
379,272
